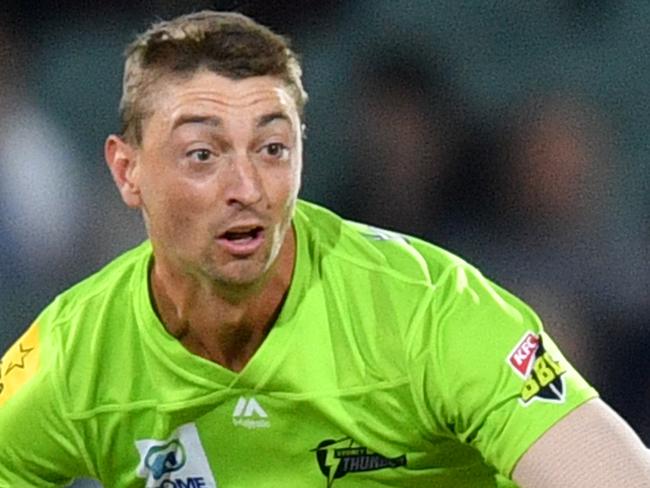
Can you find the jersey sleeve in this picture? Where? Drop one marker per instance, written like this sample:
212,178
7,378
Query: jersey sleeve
37,443
487,372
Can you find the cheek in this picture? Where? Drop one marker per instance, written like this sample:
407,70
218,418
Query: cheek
174,209
284,185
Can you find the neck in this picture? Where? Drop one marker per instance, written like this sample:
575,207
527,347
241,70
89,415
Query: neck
220,323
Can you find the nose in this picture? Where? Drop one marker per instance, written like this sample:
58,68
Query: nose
243,184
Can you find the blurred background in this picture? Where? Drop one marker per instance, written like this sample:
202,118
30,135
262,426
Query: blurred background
512,133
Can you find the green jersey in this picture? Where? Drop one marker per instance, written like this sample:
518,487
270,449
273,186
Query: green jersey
392,363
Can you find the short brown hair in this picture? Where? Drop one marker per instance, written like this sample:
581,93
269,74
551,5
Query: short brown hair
226,43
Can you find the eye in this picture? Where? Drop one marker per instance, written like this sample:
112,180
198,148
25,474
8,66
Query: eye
200,155
276,150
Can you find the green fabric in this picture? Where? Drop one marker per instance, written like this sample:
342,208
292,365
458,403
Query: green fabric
388,366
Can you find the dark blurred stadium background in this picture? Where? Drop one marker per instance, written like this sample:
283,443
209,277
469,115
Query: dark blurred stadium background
512,133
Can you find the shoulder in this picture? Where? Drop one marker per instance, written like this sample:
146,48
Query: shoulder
63,339
365,247
430,292
433,298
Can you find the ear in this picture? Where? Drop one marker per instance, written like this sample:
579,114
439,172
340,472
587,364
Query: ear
122,161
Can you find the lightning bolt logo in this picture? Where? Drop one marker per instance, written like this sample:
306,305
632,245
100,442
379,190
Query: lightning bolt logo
328,461
337,458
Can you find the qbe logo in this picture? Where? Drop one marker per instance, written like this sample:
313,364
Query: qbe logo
166,458
188,483
176,462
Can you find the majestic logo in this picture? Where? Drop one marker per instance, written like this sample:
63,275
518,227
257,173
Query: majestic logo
176,462
250,414
20,363
336,458
543,375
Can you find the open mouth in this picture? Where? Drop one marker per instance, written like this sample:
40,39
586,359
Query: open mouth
243,235
242,241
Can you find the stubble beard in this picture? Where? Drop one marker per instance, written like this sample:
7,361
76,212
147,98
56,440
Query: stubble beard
249,273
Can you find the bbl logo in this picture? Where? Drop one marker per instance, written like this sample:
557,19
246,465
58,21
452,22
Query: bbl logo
543,375
338,458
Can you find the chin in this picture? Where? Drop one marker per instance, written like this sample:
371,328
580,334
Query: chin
239,274
244,272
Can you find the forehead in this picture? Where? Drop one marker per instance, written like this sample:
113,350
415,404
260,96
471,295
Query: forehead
209,94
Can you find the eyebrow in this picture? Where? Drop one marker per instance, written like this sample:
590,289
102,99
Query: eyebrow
211,120
214,121
266,119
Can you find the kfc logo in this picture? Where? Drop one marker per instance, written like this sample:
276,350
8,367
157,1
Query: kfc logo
522,357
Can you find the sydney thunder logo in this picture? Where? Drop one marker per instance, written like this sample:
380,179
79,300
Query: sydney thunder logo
338,458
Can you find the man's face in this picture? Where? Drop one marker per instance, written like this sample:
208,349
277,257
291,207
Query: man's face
218,173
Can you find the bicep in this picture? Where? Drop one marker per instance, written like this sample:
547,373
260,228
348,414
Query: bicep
591,447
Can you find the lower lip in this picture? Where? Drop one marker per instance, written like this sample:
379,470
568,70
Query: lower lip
242,247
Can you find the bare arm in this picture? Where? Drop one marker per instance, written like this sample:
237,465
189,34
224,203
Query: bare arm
592,447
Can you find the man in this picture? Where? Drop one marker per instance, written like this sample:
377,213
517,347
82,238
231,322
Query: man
256,340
